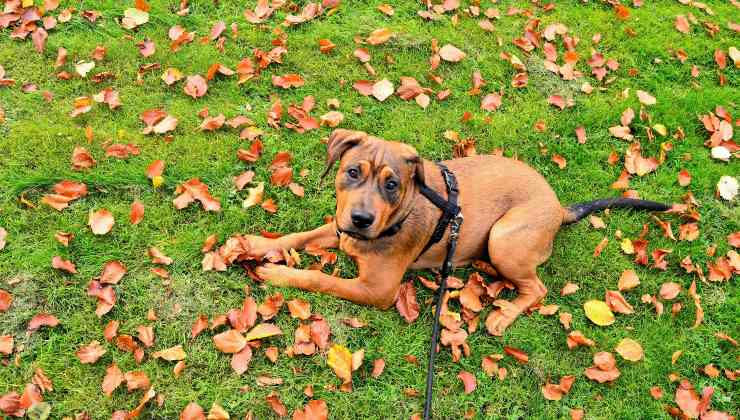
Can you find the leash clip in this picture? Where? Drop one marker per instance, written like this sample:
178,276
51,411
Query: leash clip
455,225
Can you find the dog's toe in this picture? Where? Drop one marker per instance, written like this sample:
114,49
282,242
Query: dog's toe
497,322
274,274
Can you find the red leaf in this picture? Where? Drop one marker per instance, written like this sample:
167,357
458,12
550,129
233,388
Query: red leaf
687,399
557,101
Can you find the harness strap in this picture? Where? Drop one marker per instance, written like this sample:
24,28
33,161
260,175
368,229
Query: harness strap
449,207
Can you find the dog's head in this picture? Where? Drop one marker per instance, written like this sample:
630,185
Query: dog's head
375,183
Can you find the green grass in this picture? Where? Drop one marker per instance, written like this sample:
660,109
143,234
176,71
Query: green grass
38,138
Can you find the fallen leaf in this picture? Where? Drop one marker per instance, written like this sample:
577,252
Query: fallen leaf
382,90
517,354
628,280
378,368
598,312
90,353
230,341
630,350
263,330
137,212
451,53
42,320
339,358
645,98
569,289
192,411
100,222
60,263
468,380
112,380
406,302
669,290
299,308
313,410
195,86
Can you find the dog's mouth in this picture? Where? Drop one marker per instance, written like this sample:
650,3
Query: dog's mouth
355,234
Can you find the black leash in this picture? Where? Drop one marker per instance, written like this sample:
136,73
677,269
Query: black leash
452,216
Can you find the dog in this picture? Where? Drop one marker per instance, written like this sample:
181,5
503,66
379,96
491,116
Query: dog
511,216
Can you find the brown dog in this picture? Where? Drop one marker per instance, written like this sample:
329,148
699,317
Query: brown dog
511,214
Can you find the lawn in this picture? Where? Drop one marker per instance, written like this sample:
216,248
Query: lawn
39,135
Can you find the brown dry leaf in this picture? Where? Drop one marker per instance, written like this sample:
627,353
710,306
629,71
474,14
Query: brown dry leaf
100,222
195,86
158,256
548,310
406,302
171,354
112,380
687,399
468,380
263,330
379,36
697,303
378,368
565,319
277,406
230,341
630,350
517,354
682,24
604,369
628,280
656,392
60,263
192,411
146,335
299,308
42,319
288,81
569,289
645,98
576,338
240,361
382,90
90,353
451,53
597,222
617,303
314,410
271,306
669,290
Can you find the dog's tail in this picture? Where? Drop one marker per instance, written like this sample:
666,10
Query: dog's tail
578,211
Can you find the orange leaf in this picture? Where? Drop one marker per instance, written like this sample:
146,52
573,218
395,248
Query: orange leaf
100,222
113,378
137,212
406,302
230,341
468,380
90,353
519,355
60,263
299,308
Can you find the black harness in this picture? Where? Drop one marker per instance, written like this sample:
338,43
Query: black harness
451,216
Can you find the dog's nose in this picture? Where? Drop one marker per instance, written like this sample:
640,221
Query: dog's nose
362,219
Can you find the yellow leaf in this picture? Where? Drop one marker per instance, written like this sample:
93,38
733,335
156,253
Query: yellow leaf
157,181
627,246
630,350
660,129
598,312
171,354
263,330
340,360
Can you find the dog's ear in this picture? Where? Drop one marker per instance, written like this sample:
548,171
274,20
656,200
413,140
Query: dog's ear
340,141
412,157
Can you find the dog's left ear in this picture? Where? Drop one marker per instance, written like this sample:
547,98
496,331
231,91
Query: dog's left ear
418,164
340,141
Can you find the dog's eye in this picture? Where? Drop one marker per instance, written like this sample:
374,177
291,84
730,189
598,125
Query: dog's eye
391,185
353,173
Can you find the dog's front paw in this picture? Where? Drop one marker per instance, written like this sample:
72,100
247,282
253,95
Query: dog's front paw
274,274
497,322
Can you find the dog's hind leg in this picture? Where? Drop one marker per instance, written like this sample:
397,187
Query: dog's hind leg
519,242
